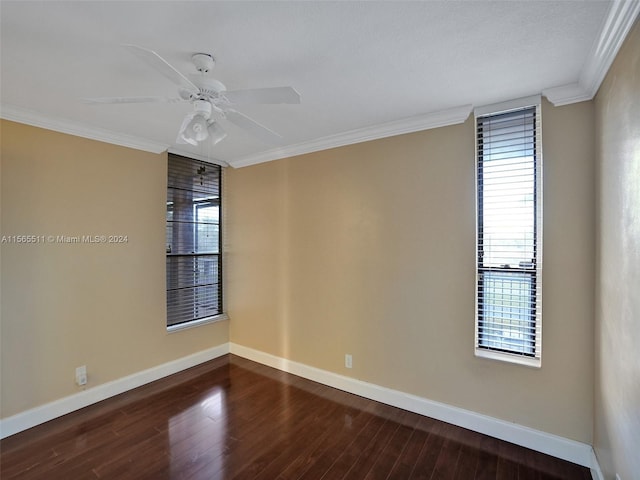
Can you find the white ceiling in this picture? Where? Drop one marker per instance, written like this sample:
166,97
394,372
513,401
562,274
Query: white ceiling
363,69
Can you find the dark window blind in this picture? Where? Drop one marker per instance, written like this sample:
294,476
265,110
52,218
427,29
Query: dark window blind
194,268
509,236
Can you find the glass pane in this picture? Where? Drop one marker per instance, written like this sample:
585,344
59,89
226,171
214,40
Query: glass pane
185,271
192,287
193,227
508,220
506,311
207,228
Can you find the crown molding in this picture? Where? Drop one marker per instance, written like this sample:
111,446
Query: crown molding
619,21
36,119
198,156
567,94
621,17
408,125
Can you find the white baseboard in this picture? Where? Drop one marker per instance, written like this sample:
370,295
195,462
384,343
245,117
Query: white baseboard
596,473
560,447
44,413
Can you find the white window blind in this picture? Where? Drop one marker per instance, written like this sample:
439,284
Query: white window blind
509,236
194,266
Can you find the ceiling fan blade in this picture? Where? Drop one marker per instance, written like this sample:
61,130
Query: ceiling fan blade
263,95
109,100
254,128
162,66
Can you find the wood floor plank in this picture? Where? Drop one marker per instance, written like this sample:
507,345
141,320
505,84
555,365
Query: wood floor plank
468,457
332,445
235,419
407,459
350,423
388,457
487,465
509,458
447,460
298,434
305,459
352,451
372,450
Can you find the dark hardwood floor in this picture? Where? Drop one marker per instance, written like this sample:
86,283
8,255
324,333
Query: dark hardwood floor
235,419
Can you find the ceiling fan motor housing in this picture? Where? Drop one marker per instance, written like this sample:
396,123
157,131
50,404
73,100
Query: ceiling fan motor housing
208,87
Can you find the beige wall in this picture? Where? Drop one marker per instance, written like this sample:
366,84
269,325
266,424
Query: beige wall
617,388
369,250
66,305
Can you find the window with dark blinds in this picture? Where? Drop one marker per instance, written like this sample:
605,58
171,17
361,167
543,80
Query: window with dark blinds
194,266
509,235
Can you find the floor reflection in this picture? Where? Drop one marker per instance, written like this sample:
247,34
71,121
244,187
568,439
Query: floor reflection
197,438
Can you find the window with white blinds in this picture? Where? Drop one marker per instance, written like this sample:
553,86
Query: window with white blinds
193,247
509,235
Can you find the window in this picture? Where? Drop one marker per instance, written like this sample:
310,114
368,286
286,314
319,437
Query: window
194,257
509,232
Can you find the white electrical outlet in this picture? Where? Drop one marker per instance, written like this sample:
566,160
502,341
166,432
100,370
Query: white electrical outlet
348,360
81,375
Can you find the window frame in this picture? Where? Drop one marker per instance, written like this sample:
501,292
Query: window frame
533,359
196,205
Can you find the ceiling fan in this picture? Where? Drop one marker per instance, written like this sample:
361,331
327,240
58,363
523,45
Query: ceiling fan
210,99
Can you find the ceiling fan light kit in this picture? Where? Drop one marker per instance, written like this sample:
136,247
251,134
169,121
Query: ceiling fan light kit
199,126
208,97
216,132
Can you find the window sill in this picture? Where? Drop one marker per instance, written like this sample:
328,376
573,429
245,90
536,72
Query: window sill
505,357
198,323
